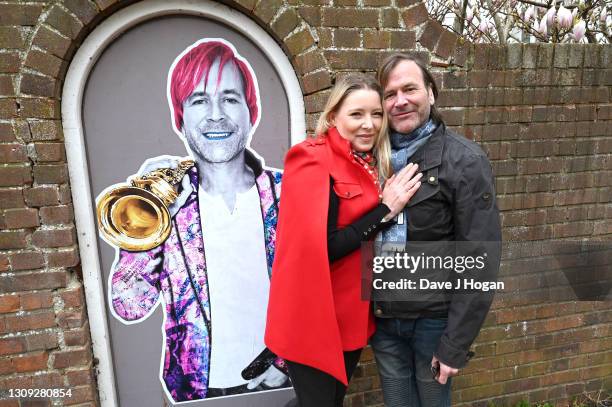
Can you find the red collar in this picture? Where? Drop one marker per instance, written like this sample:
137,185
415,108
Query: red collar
339,144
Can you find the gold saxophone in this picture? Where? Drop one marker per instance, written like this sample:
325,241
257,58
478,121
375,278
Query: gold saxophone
135,216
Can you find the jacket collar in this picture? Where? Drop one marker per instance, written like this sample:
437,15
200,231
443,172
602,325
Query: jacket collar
430,154
339,144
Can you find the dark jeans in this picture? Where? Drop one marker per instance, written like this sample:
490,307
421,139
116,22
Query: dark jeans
403,349
315,388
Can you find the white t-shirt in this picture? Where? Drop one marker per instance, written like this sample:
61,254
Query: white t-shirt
238,283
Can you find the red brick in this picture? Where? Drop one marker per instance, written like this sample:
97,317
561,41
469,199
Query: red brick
30,362
38,85
286,22
446,45
63,258
46,130
265,10
55,215
4,262
15,175
54,237
9,60
33,281
349,59
39,108
9,303
6,85
40,320
48,152
63,22
44,62
299,42
346,38
415,16
26,260
79,377
42,196
77,337
20,14
71,358
8,108
50,174
11,38
309,61
71,319
6,132
13,239
36,300
431,35
81,394
20,218
339,17
13,153
376,39
403,39
316,81
41,341
9,346
73,297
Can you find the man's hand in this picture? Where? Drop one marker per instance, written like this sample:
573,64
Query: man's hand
445,371
272,377
185,189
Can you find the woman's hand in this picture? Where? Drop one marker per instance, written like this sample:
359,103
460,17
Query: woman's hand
185,188
400,188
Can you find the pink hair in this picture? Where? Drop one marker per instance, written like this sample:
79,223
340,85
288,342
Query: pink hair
195,64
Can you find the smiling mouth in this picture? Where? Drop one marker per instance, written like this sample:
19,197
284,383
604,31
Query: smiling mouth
217,135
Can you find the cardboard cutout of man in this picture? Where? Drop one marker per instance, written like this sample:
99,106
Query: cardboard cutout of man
214,268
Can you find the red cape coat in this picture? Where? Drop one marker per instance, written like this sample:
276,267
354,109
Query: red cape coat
315,311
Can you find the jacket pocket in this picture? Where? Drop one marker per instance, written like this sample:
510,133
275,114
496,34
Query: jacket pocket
347,190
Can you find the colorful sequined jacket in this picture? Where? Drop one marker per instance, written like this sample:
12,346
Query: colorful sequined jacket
175,274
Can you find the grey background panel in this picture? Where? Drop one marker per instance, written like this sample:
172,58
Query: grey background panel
126,120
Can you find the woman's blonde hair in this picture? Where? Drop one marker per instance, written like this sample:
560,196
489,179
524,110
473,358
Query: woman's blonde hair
343,88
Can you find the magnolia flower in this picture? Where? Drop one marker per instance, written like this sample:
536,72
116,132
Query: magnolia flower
603,15
574,12
469,15
529,13
542,28
564,17
550,16
483,26
579,30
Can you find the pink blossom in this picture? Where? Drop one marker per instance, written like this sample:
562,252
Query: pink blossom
529,13
469,14
564,17
603,15
550,16
542,28
579,30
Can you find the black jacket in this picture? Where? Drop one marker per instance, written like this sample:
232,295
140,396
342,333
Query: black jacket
456,202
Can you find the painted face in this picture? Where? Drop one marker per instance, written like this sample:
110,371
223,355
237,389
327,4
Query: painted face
359,119
406,98
216,117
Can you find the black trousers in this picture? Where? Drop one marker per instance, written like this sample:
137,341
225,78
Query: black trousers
315,388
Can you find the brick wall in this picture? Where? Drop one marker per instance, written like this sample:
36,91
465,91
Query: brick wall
543,113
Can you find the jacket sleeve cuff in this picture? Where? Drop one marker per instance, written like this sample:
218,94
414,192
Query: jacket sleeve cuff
451,355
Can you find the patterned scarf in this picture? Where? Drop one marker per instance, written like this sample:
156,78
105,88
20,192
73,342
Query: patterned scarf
369,163
403,146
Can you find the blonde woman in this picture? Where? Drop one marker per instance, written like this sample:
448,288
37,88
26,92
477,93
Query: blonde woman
331,201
